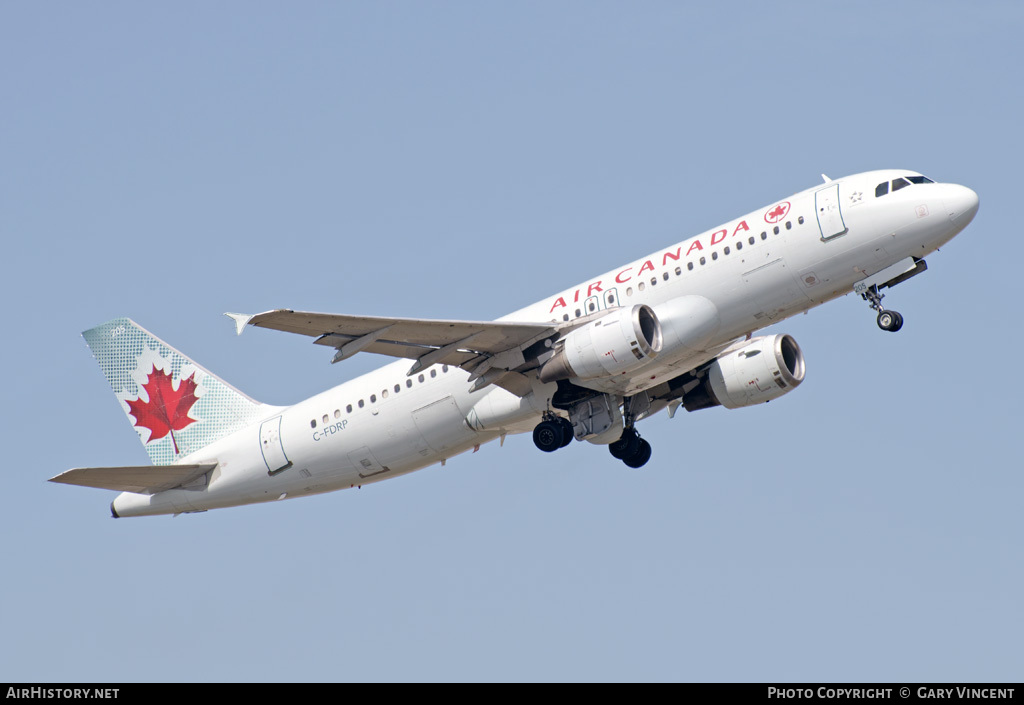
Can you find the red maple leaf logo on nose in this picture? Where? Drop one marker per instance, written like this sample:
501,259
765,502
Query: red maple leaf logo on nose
167,408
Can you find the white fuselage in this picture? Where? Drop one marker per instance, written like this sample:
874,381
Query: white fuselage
760,268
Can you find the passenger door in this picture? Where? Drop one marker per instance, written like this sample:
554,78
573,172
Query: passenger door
830,215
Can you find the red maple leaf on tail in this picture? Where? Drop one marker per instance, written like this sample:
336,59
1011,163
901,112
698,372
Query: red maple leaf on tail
167,408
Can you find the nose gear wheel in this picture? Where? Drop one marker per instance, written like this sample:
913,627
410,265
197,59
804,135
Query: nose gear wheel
890,321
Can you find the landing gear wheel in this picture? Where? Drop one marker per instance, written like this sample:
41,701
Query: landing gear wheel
547,436
567,433
642,455
890,321
887,320
626,445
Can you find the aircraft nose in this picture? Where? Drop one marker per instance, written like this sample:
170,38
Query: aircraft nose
961,204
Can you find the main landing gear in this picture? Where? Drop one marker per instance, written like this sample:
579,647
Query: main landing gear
552,433
631,449
887,320
596,418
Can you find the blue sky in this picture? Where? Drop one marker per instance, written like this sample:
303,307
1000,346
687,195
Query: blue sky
461,160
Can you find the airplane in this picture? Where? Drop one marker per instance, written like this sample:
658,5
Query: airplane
672,329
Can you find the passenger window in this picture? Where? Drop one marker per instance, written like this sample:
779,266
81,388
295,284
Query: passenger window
433,373
774,230
384,394
689,266
751,239
326,418
679,270
361,403
444,368
640,286
714,255
703,261
373,398
577,313
629,291
665,275
897,184
726,249
565,316
764,236
800,220
398,388
408,384
789,225
348,409
881,189
337,413
654,280
312,424
739,245
421,378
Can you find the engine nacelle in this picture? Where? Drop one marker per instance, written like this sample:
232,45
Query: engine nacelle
759,371
613,344
688,324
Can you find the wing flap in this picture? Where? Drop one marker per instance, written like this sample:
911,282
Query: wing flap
396,349
142,479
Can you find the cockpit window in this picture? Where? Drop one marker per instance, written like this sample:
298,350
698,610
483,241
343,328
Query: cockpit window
897,184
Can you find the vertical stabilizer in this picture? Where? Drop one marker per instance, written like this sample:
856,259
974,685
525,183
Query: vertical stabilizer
176,406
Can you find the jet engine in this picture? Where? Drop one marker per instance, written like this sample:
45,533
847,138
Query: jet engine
688,323
613,344
759,371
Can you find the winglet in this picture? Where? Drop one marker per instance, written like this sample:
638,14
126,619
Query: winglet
240,319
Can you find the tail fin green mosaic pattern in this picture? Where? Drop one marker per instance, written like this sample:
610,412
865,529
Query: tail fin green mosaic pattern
176,406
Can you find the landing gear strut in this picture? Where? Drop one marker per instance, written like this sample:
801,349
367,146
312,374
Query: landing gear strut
552,433
631,449
887,320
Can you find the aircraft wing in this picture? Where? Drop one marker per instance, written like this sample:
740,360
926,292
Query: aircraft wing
143,479
487,349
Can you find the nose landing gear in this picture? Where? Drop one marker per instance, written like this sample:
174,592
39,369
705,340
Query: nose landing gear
887,320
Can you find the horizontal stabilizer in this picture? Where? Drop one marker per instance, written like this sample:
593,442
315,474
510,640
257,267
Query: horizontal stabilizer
142,479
